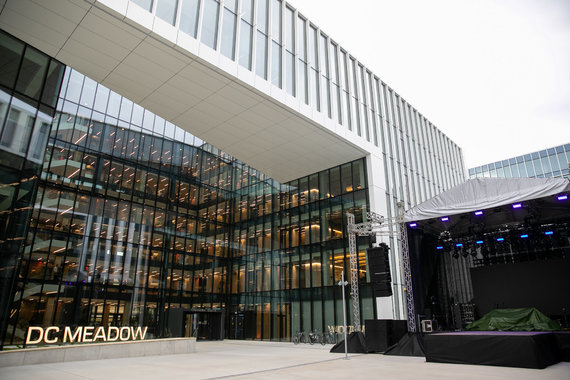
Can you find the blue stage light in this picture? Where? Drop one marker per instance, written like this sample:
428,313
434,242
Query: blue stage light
478,213
562,197
445,219
479,242
439,247
549,233
524,236
500,239
517,205
459,245
412,225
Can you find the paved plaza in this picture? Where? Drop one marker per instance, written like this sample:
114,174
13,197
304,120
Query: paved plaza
272,360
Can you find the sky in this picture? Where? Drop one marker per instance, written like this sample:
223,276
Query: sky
493,75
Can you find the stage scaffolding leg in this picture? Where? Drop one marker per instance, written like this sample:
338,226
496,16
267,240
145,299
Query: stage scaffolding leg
407,271
353,272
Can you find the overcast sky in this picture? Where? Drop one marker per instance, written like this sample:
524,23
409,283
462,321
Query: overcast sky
493,75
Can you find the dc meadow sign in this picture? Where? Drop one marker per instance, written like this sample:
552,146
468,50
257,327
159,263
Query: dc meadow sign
84,334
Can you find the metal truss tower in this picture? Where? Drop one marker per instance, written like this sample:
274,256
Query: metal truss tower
378,225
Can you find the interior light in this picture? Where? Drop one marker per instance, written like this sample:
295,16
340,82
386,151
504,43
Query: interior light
500,239
524,236
549,233
517,205
439,247
459,245
479,242
478,213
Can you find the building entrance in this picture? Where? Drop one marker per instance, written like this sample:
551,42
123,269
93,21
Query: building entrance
237,326
204,325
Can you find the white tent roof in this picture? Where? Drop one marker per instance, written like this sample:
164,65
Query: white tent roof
483,193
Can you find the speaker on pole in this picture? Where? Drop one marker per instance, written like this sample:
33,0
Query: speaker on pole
379,264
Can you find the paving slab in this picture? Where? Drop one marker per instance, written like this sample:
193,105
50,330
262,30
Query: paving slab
232,359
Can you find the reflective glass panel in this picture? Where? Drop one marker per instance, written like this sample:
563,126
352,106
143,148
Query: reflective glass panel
189,16
166,10
210,23
228,33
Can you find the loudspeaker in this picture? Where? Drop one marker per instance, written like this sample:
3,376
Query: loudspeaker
383,333
379,265
376,335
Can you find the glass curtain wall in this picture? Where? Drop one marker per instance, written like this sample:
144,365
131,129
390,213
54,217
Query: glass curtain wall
128,217
29,84
547,163
289,248
131,218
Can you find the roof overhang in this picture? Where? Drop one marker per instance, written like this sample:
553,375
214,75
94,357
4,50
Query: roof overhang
150,62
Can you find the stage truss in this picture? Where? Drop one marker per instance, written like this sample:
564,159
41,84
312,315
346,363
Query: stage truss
377,225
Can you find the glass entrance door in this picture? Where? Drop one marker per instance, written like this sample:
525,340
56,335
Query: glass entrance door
203,325
236,326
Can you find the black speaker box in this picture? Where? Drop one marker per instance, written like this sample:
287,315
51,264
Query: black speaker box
380,277
383,333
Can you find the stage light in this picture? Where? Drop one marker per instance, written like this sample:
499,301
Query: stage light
478,213
524,236
500,239
479,242
412,225
517,205
445,219
549,233
459,245
439,247
562,197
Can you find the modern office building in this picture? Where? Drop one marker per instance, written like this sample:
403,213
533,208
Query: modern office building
117,212
546,163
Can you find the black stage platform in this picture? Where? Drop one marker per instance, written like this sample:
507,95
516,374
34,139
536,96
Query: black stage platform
563,343
500,348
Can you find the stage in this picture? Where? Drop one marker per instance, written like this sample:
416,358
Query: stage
523,349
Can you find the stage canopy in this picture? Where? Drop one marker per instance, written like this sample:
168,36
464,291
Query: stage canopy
483,193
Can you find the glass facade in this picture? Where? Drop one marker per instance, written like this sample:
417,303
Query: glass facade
278,44
128,218
547,163
114,216
29,87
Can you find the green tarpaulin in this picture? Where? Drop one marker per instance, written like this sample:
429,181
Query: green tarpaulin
525,319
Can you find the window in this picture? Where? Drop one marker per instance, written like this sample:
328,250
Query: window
146,4
10,53
189,16
276,60
166,10
314,75
39,138
261,42
210,23
245,44
325,76
261,55
228,31
290,50
246,34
